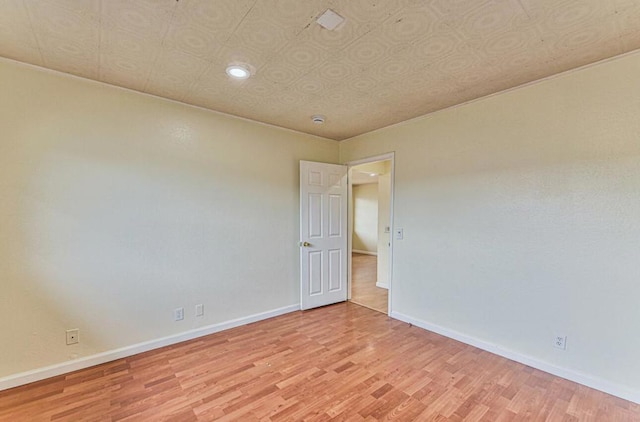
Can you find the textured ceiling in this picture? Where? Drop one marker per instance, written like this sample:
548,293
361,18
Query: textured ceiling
390,61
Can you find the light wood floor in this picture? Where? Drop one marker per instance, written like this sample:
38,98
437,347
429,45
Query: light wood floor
342,362
364,274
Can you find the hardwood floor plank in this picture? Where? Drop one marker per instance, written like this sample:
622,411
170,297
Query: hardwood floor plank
342,362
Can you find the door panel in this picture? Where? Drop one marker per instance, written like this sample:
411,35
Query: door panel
323,239
315,215
335,215
335,270
315,273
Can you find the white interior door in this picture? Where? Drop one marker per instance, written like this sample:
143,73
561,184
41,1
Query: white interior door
323,234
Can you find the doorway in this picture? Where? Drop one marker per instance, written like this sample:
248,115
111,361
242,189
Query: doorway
370,242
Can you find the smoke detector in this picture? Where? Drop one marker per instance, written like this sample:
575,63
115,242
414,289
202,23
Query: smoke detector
330,20
318,119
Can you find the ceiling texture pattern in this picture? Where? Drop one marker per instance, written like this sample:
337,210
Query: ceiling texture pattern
391,60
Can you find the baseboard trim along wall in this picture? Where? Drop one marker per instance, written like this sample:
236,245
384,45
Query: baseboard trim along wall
364,252
23,378
382,285
111,355
578,377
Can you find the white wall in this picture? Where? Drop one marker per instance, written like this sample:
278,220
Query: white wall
521,218
116,208
365,218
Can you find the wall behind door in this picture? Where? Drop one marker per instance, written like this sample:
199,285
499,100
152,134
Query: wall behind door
365,218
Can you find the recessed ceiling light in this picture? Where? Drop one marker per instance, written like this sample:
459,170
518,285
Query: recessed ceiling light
238,72
373,174
318,119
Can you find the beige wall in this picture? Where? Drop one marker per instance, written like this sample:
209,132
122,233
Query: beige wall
365,218
116,208
521,218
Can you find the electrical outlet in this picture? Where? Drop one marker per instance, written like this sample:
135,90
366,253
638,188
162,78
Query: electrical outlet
73,336
560,342
178,314
399,234
199,310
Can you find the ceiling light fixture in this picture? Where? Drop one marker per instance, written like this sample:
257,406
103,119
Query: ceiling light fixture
238,72
330,20
318,119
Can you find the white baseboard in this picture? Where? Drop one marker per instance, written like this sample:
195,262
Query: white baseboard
364,252
571,375
382,285
23,378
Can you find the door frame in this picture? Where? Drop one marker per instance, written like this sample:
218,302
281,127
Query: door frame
390,156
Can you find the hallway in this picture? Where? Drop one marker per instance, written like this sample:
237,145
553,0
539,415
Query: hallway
363,283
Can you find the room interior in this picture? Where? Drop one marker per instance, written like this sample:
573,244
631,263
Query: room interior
370,234
138,178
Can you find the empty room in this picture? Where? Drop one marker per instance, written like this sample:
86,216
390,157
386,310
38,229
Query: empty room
193,192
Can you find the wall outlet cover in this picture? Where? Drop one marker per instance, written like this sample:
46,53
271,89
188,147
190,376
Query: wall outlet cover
178,314
560,342
73,336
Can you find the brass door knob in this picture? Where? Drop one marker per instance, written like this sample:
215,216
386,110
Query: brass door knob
305,244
